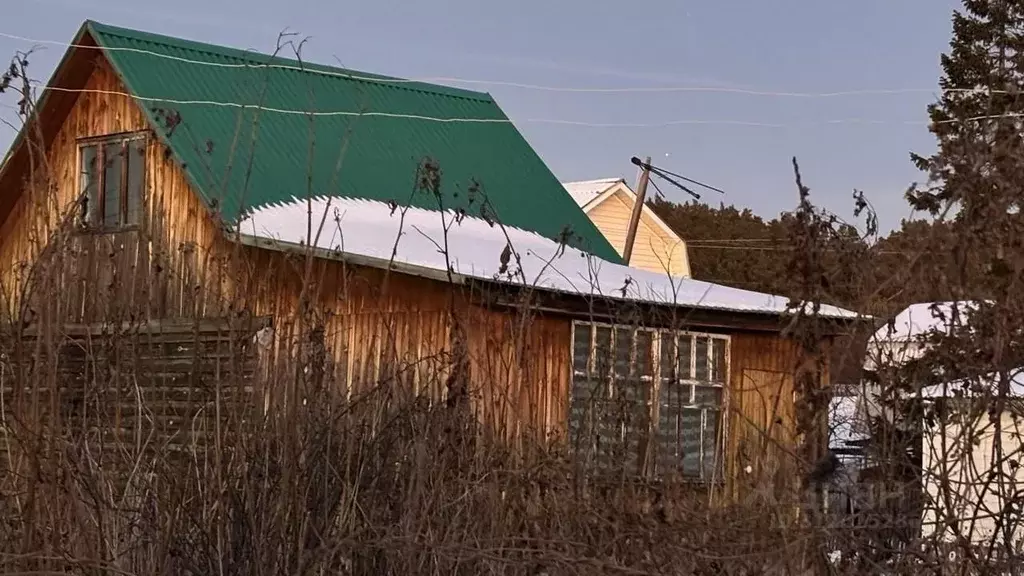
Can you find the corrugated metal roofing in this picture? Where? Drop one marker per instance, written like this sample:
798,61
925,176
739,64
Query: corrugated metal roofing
241,158
370,229
584,191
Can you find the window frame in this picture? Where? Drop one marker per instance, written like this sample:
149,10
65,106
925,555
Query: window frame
653,384
91,220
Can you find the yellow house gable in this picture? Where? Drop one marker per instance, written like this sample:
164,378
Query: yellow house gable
609,204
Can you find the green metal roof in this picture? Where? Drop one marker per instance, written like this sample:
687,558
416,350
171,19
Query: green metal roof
272,151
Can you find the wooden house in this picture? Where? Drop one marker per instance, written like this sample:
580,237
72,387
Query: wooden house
608,202
409,224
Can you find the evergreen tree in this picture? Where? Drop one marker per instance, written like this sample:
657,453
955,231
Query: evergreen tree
977,169
977,119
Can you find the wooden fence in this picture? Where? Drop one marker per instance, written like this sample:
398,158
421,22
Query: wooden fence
138,386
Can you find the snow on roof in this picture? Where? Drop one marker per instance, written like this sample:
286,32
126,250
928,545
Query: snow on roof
586,190
920,319
969,388
372,230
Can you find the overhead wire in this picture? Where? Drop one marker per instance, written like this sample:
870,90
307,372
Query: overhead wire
554,121
319,69
471,120
785,249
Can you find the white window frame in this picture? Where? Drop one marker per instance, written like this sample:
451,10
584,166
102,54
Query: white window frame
654,381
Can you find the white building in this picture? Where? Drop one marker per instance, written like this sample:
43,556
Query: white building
972,468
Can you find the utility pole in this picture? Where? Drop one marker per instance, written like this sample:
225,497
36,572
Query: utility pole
638,206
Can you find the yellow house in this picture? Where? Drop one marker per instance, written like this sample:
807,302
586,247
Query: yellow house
609,204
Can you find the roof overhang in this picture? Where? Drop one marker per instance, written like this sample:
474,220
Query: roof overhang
47,116
545,300
347,257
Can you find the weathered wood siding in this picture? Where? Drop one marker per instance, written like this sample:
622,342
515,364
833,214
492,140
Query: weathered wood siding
149,272
395,330
522,367
762,433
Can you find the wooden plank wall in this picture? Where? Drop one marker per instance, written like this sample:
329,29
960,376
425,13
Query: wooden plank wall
394,330
521,363
151,272
762,425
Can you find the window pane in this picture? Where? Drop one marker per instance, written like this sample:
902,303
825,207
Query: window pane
631,391
588,397
668,346
603,352
689,441
630,404
685,352
582,388
644,353
718,360
701,364
136,178
113,161
90,185
670,407
623,351
713,465
581,348
708,396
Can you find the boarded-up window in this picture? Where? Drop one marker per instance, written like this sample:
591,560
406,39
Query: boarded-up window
646,400
113,176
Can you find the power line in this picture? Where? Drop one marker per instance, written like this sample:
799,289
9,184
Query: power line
790,249
509,84
556,121
663,124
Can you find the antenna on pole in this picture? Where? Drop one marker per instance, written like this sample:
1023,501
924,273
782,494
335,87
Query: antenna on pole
641,196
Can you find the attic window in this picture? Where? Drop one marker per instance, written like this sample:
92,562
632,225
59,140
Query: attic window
113,175
648,401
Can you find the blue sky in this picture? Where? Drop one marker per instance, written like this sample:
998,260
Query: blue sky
802,46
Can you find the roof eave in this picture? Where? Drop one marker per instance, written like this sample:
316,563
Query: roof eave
457,278
598,199
17,145
356,259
